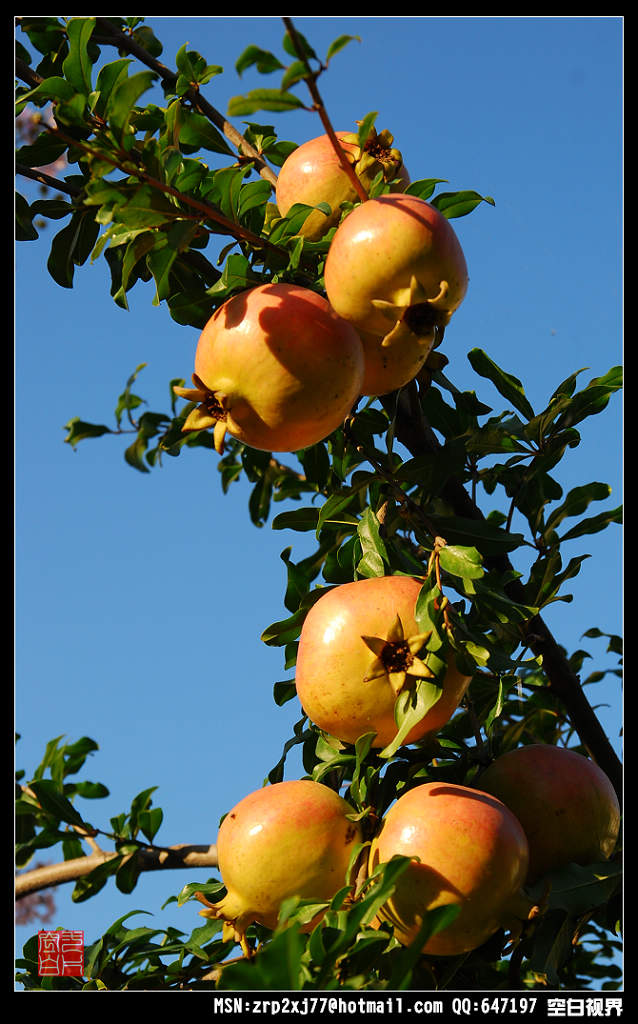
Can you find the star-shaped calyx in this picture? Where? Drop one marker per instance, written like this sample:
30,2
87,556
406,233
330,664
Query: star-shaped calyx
414,315
396,656
210,412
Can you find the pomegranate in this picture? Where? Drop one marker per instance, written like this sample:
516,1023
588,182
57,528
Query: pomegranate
288,839
388,367
357,650
469,850
313,174
276,368
566,804
395,269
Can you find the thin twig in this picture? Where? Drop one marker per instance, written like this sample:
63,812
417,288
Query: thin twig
311,82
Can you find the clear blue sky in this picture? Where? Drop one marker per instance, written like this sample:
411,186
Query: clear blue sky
140,599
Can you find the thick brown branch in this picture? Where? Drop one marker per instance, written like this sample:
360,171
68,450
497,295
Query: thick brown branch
150,858
413,431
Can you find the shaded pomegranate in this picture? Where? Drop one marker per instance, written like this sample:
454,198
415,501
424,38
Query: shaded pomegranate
472,853
276,368
314,174
566,804
357,650
396,270
288,839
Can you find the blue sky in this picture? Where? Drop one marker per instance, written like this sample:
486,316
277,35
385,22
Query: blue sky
140,598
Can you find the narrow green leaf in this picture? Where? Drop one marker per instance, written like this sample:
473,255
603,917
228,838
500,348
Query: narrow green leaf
594,524
53,801
77,65
263,99
338,44
506,384
123,98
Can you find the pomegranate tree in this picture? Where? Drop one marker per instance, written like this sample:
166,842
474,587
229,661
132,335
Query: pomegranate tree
469,850
276,368
313,174
291,838
396,270
566,804
358,650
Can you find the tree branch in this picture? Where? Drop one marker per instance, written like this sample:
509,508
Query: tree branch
413,431
150,858
310,81
124,42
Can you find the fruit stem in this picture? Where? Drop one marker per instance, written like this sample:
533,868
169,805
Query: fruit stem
310,80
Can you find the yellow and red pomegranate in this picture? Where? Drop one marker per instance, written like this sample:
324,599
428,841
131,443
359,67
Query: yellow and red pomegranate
396,271
566,804
313,174
276,368
354,658
469,851
292,838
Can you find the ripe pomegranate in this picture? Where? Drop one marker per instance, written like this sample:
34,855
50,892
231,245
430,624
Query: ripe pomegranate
276,368
288,839
314,174
469,850
388,367
355,656
396,270
566,804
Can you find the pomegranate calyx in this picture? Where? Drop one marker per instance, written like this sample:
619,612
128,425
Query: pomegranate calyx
414,314
235,918
378,155
210,411
396,656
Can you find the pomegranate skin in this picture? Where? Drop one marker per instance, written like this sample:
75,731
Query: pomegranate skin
285,368
288,839
472,852
377,251
566,804
313,174
333,662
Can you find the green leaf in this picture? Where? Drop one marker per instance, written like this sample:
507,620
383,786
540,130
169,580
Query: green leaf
594,524
263,99
25,231
374,558
77,65
149,822
461,561
488,538
53,802
505,383
592,399
424,187
410,708
123,98
338,44
458,204
79,430
254,56
300,519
